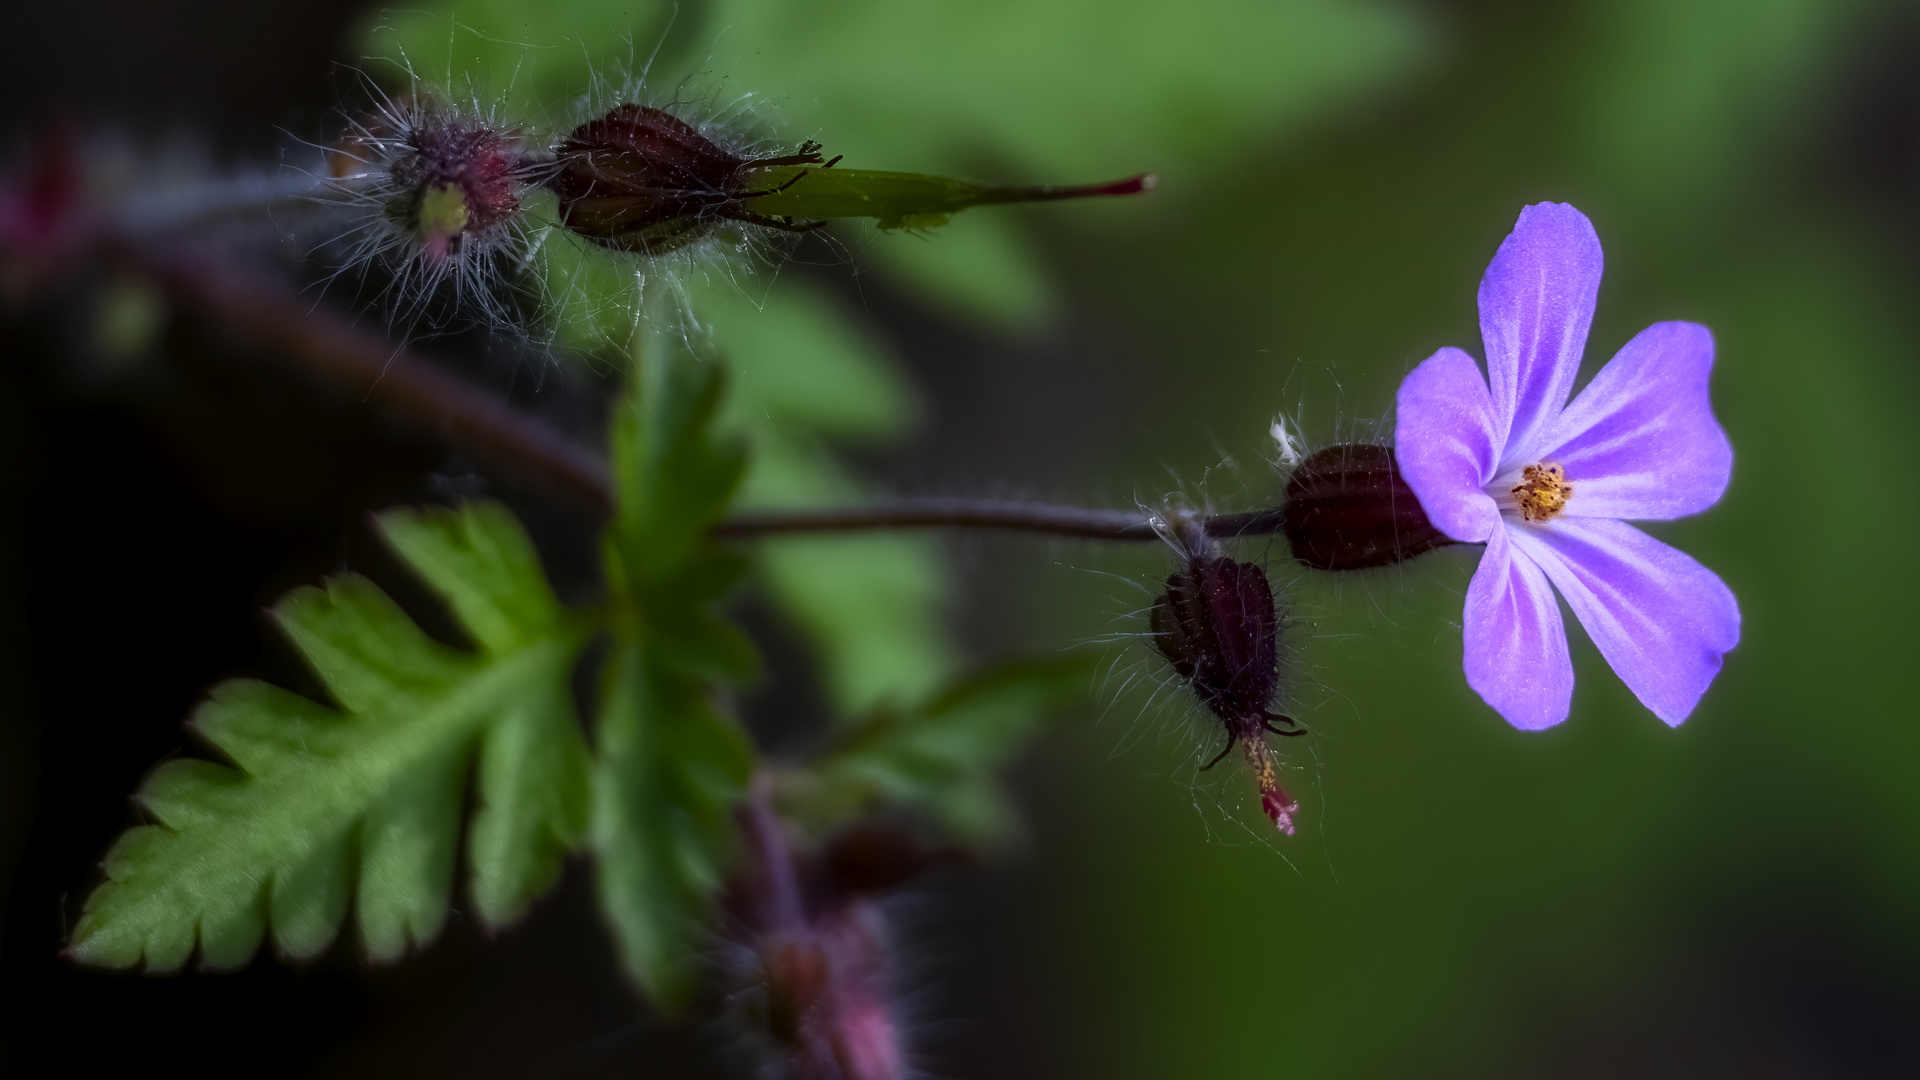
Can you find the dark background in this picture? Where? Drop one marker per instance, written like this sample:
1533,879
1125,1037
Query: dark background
1606,899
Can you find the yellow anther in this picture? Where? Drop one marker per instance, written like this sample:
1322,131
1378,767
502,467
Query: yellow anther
1542,492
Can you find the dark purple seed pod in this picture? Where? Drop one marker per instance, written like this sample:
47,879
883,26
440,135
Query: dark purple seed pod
1218,626
1348,508
641,179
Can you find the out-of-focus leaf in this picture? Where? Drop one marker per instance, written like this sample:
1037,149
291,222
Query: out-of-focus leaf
940,757
535,58
669,765
327,805
1684,88
869,605
1062,92
797,362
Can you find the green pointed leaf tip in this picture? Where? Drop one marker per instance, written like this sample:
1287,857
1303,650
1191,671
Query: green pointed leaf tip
941,757
324,808
670,765
899,200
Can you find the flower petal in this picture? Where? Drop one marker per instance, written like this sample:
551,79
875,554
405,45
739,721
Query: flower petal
1447,443
1660,618
1516,644
1641,440
1536,302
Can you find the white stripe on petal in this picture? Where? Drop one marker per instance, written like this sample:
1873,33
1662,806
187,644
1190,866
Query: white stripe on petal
1536,302
1641,441
1516,644
1660,618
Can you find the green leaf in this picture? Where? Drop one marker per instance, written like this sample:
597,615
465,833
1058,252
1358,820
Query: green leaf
1070,90
669,765
532,769
325,806
941,758
870,605
674,479
532,57
669,769
797,361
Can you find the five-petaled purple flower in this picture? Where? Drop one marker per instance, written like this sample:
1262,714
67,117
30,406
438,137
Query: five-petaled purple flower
1545,483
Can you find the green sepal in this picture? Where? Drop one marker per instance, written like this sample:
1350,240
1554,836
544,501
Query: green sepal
323,806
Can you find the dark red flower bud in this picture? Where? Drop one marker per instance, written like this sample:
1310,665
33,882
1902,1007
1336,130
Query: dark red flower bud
1218,626
1348,508
641,179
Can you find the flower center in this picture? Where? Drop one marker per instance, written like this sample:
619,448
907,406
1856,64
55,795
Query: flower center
1542,492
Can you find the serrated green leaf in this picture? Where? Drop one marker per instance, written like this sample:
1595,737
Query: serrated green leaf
323,806
943,756
532,770
669,765
669,769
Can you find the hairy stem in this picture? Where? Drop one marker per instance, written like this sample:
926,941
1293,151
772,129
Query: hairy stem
331,350
963,513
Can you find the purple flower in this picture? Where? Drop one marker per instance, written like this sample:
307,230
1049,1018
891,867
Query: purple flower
1546,484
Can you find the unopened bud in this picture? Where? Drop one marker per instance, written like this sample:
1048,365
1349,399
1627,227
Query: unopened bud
454,180
641,179
1348,508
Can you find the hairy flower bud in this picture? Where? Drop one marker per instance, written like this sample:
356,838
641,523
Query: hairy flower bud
1348,508
449,180
437,190
641,179
1218,627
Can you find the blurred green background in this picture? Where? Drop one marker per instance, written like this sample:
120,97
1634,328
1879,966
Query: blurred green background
1607,898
